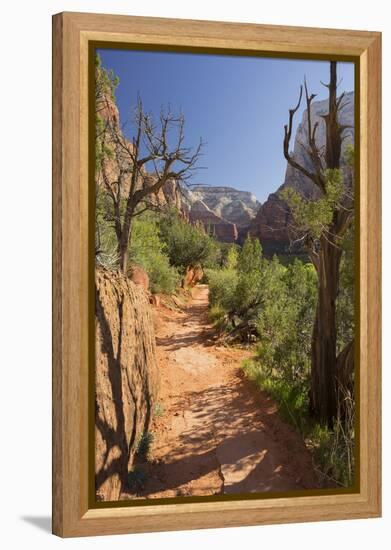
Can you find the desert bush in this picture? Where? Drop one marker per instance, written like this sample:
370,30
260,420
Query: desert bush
149,251
222,287
345,300
158,410
334,450
292,399
144,445
285,319
217,316
187,244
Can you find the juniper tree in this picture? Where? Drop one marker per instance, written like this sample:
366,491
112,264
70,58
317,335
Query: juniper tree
321,226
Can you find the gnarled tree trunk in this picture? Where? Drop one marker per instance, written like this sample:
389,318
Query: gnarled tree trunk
323,398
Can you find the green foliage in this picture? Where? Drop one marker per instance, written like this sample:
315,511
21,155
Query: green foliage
150,252
250,257
144,445
137,479
187,244
250,278
313,216
158,410
350,155
345,300
238,291
217,316
222,287
285,320
291,398
106,81
333,450
231,260
146,248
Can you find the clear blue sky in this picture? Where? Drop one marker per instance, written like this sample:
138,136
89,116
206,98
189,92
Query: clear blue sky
238,105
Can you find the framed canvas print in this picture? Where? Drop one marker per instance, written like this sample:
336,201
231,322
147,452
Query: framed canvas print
216,298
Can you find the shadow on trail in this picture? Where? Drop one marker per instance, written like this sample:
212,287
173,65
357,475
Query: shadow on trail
227,432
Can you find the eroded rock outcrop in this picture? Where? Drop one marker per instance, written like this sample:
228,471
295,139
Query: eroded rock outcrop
234,206
139,276
126,378
223,231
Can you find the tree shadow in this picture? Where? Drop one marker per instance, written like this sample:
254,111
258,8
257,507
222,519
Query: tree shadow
112,437
226,431
194,315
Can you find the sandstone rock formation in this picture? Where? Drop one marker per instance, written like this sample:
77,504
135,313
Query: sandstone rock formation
223,230
271,224
126,378
138,276
192,276
238,207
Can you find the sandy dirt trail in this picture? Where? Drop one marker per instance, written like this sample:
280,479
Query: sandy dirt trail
217,433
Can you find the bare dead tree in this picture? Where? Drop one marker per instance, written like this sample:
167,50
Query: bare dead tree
325,252
137,169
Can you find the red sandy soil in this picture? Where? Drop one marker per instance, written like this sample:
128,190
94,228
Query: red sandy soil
217,434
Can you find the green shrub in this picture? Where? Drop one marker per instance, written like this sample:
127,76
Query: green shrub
291,398
144,445
333,450
222,287
148,251
158,410
285,319
217,316
186,244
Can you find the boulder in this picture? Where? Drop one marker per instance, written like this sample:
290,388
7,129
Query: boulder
138,276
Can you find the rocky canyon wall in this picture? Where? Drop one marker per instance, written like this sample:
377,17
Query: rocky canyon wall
126,378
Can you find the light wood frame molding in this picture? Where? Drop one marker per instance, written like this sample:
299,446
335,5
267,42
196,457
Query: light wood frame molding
72,32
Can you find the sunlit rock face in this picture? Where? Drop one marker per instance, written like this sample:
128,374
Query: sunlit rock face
223,230
238,207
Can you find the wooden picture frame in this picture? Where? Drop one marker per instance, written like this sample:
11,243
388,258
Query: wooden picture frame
72,34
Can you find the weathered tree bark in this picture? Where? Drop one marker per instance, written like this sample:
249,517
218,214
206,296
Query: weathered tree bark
323,397
124,241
